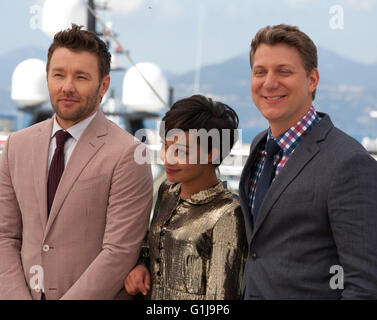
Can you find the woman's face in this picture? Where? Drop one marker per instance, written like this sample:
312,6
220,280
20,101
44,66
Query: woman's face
184,159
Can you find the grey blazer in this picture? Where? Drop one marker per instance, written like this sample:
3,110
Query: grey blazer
321,211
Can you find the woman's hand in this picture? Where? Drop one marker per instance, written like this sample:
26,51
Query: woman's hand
138,280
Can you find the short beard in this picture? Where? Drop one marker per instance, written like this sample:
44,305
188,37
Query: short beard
80,113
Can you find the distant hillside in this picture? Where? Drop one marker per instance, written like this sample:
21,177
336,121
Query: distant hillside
347,89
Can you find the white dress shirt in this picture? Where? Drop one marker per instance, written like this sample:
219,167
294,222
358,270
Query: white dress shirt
75,131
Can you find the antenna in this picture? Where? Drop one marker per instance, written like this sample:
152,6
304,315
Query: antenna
91,18
110,34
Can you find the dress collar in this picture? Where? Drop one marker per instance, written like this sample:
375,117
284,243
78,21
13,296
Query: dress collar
201,197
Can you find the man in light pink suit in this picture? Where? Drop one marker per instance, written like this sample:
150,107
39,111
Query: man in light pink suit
80,237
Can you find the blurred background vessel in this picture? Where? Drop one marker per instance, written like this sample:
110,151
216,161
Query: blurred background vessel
144,97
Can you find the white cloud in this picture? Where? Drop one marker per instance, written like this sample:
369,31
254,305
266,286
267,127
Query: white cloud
230,10
363,5
122,6
170,9
117,6
297,2
164,9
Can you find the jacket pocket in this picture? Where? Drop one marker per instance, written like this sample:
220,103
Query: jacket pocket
90,183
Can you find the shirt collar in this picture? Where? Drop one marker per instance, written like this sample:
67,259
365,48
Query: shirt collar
288,140
76,130
200,197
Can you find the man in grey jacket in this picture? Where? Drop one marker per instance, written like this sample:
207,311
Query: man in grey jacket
308,191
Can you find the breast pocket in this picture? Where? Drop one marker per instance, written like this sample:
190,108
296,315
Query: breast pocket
91,183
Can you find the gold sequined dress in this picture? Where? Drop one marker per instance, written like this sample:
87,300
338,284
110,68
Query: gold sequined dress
196,246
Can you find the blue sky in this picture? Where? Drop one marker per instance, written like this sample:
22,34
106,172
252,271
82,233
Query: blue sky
165,32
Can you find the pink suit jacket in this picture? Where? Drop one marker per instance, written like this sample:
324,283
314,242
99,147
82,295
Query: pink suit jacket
100,214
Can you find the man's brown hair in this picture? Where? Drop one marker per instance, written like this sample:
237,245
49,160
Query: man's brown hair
76,39
291,36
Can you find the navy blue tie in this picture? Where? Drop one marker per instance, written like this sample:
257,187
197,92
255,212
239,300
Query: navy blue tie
266,176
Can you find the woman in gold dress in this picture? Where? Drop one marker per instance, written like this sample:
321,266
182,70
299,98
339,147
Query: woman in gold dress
196,243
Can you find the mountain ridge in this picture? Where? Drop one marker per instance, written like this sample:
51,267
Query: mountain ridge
347,89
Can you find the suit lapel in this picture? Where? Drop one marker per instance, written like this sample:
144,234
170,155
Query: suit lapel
89,143
304,153
40,164
294,165
244,182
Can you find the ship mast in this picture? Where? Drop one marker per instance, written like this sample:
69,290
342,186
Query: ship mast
91,19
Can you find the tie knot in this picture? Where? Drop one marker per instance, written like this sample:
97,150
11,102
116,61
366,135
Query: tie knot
61,138
272,148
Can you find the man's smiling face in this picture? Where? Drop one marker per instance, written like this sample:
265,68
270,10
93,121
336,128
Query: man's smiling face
280,87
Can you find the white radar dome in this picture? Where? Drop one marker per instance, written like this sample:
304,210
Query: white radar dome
137,95
58,15
29,84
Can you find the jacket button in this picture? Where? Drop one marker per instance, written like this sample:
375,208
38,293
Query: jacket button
254,255
46,248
